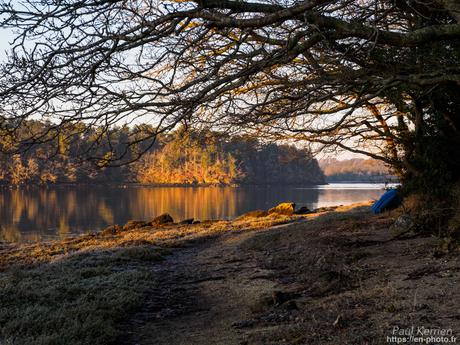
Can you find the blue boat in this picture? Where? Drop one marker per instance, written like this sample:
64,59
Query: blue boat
390,199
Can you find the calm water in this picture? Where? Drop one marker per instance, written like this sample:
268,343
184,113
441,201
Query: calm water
40,214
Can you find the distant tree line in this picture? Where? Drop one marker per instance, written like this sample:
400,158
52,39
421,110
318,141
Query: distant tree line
355,170
182,157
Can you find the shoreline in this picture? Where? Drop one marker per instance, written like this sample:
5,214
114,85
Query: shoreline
170,185
159,185
337,275
179,223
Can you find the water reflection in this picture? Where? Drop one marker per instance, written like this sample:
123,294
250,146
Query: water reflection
37,214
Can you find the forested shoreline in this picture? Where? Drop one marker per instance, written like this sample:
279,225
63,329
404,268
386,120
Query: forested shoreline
184,157
356,170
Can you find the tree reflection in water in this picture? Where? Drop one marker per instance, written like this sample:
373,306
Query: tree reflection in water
37,214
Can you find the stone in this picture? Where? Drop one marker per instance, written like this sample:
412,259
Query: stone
303,210
285,208
111,230
403,225
187,221
253,214
162,219
134,224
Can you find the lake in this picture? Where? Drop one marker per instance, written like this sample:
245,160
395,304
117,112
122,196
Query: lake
39,214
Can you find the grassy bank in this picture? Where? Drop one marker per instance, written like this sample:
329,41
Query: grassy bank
76,291
335,277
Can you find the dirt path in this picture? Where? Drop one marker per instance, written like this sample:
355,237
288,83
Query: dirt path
339,280
203,293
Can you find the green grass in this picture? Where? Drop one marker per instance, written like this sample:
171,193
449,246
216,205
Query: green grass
79,299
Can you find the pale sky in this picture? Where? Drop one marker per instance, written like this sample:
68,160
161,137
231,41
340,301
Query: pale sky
6,37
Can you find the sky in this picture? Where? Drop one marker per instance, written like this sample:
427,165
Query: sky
6,37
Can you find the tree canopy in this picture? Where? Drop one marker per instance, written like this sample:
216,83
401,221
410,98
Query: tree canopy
379,77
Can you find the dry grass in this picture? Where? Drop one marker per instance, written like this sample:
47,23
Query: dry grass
76,299
77,290
350,281
165,236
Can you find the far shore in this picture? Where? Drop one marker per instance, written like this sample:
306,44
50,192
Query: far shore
159,185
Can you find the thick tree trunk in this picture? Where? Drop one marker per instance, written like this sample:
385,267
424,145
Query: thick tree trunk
436,142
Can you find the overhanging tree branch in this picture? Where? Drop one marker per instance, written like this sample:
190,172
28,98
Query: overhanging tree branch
304,67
